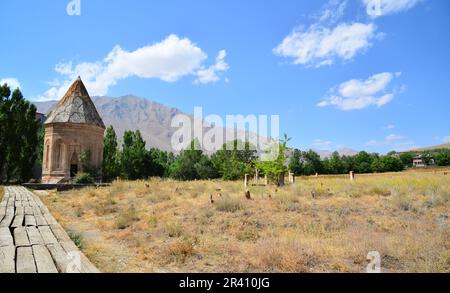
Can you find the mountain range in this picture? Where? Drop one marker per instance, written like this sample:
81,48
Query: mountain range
151,118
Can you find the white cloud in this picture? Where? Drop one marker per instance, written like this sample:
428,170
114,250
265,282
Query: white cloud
377,8
389,126
324,42
359,94
168,60
331,12
446,139
319,45
13,83
210,74
395,142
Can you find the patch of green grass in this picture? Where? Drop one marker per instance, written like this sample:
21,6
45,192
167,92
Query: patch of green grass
2,191
77,238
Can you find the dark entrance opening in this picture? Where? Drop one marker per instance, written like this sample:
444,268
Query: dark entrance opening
73,170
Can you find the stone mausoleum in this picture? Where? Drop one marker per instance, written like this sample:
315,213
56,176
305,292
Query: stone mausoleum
73,130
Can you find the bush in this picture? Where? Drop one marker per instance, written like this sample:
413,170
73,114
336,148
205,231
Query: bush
228,204
126,218
83,178
77,238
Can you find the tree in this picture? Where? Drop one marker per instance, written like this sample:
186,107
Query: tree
134,156
443,157
192,164
312,163
161,162
18,136
406,159
234,160
295,162
275,169
335,164
363,162
111,167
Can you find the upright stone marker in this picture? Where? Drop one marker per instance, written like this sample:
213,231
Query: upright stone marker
352,175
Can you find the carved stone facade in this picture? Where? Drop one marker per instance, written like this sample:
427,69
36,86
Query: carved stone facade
72,129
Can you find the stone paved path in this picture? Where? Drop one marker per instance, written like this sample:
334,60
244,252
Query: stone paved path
31,241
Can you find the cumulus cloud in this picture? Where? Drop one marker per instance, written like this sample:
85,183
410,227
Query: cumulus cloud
377,8
389,126
446,139
210,74
359,94
319,45
13,83
168,60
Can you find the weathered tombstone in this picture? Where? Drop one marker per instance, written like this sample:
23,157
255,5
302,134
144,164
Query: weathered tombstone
317,174
266,181
246,181
256,175
291,177
281,180
352,175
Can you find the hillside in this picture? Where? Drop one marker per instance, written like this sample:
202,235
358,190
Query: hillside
436,147
133,113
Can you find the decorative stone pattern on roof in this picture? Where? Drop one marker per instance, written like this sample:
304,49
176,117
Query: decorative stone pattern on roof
76,107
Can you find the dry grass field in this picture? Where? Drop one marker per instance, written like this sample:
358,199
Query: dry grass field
325,224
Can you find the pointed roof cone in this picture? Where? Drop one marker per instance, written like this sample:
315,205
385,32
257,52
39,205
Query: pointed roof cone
76,107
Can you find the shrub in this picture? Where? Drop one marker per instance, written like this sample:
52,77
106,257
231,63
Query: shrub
181,250
228,204
77,238
249,234
83,178
174,229
126,218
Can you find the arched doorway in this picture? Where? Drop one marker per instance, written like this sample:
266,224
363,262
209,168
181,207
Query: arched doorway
74,164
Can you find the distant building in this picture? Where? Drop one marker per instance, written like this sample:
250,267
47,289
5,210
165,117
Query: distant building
40,118
420,161
72,129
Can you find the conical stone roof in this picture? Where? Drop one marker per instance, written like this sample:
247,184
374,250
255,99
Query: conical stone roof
76,107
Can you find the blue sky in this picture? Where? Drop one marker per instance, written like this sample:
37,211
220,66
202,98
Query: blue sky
359,73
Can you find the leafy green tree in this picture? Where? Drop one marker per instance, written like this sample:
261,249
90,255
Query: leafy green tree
111,155
443,157
406,159
363,162
312,163
335,164
18,136
161,162
134,156
275,169
295,162
234,160
192,164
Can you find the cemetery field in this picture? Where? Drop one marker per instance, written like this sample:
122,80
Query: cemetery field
324,224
